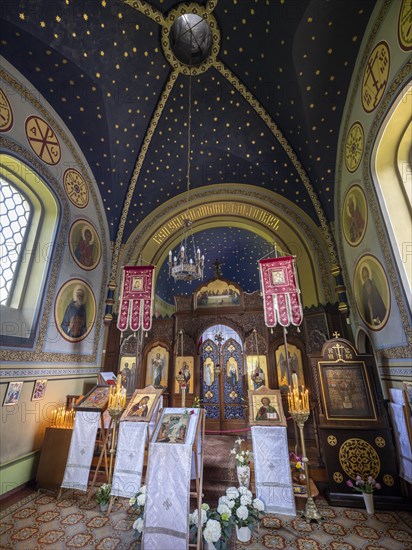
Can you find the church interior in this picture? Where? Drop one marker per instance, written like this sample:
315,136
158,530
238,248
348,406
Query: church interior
206,220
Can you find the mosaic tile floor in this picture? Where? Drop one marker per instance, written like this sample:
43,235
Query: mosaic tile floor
40,521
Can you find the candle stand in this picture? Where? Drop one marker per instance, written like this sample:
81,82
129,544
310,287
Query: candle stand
115,414
299,411
182,384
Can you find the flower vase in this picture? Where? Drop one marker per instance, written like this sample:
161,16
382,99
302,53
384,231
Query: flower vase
104,506
243,534
368,498
243,475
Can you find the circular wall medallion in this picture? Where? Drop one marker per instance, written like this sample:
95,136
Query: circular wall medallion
75,310
388,480
357,456
371,290
337,477
43,140
405,25
331,439
76,188
84,244
6,113
380,441
375,77
354,146
354,215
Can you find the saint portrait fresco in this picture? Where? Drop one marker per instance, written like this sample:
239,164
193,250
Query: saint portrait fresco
13,394
355,215
173,428
257,371
295,364
75,310
142,405
184,366
265,407
128,371
372,294
96,400
157,367
39,390
84,244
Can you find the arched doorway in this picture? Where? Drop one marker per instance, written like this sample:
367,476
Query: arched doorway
222,381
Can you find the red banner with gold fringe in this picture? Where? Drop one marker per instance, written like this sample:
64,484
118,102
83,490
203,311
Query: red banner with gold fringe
281,295
136,301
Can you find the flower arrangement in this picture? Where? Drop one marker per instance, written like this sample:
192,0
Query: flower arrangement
363,486
298,461
138,503
103,493
216,526
243,458
246,510
197,402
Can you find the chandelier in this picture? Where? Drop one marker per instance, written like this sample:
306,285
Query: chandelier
187,265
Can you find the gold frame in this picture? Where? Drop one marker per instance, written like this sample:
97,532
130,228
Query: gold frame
140,393
81,407
275,399
347,392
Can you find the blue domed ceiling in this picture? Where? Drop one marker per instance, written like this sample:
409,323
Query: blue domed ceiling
266,112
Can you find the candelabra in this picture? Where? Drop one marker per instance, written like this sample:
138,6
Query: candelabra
116,406
62,418
182,384
299,410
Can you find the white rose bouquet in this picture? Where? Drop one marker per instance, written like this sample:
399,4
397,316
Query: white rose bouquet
245,509
216,525
138,503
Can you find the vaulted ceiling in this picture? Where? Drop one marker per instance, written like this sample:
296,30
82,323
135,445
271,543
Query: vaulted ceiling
266,105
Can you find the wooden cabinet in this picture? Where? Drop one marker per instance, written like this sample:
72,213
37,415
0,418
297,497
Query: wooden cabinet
53,458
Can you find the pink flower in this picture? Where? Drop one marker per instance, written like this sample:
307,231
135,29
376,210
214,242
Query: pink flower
349,483
377,485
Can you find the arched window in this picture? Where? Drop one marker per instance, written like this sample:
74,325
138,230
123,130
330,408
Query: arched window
15,216
391,168
29,220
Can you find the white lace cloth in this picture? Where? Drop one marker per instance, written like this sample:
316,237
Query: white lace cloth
403,444
166,518
131,444
272,469
79,460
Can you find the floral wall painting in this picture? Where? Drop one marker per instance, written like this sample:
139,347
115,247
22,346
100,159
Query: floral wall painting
257,371
39,390
157,367
295,364
12,394
185,366
75,310
372,293
84,244
355,215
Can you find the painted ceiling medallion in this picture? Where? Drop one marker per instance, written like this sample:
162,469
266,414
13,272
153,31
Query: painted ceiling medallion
405,25
43,140
76,188
190,39
375,77
354,147
6,113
